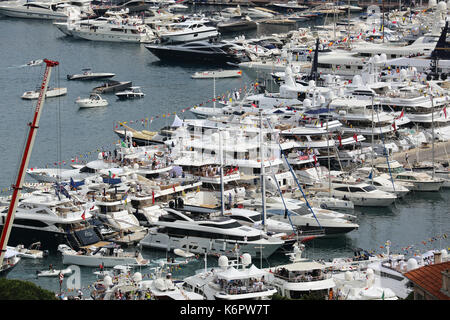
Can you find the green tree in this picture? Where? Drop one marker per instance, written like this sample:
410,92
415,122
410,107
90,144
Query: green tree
11,289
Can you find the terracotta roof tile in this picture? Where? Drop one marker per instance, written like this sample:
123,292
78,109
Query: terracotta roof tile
429,278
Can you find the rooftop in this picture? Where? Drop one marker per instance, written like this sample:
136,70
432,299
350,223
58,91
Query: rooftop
429,278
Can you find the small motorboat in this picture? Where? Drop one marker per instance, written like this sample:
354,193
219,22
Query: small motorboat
53,272
51,92
217,74
10,260
32,252
87,74
131,93
94,100
112,86
34,63
183,253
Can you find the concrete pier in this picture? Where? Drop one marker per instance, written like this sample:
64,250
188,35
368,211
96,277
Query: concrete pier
422,153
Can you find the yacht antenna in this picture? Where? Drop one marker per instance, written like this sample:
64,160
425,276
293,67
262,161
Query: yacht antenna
25,159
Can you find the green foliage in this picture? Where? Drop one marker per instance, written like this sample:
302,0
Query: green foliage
11,289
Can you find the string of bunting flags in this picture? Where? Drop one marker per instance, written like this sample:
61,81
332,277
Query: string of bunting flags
228,96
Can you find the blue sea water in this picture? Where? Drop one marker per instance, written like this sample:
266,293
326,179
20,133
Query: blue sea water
66,132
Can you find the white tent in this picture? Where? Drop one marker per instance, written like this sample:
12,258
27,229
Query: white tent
254,272
232,274
177,122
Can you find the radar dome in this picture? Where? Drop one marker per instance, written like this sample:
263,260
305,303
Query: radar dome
107,281
442,6
160,284
357,80
411,264
307,103
444,255
383,57
432,3
137,277
135,166
348,276
100,156
322,99
403,74
311,83
376,59
246,259
223,261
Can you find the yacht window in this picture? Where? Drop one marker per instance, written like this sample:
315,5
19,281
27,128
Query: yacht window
369,188
355,189
344,189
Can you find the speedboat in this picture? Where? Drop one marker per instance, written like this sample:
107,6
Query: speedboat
218,53
53,272
130,93
51,92
216,74
94,100
34,63
112,86
87,74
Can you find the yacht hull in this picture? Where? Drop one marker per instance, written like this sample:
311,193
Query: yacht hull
211,246
29,14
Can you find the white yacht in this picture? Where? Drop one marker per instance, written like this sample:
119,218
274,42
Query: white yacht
231,281
34,10
102,253
95,100
360,285
187,31
361,194
301,277
416,181
213,235
115,30
51,220
392,269
51,92
382,182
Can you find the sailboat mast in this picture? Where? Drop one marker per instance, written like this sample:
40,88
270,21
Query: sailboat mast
7,226
263,183
222,204
432,133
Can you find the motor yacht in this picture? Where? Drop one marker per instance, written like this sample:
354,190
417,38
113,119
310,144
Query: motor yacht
34,10
103,253
361,194
301,277
51,220
218,53
232,280
187,31
416,181
115,30
213,235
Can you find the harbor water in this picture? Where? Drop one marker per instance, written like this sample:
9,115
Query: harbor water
413,224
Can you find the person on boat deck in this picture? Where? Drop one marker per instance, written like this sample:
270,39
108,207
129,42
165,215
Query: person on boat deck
50,267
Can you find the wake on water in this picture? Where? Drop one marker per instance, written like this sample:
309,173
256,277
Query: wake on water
32,63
